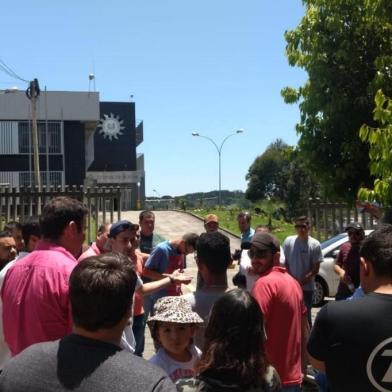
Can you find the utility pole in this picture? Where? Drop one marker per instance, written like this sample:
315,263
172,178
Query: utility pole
32,93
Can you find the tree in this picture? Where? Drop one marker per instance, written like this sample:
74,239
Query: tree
380,141
264,175
346,48
300,185
281,174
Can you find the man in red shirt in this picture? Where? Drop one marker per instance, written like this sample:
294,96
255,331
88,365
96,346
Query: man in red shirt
281,301
35,291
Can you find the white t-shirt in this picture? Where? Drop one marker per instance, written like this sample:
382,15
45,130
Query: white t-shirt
175,369
128,342
246,263
301,255
5,354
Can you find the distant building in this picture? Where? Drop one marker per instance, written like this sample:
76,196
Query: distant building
82,141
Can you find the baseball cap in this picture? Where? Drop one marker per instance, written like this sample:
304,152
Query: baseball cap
354,226
211,218
265,241
121,226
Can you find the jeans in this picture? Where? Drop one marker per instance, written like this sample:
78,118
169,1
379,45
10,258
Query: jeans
322,382
148,305
138,332
308,300
292,388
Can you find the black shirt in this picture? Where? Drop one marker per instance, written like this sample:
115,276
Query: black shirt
354,339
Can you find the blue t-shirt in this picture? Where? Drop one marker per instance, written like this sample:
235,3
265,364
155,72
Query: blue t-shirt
247,235
164,259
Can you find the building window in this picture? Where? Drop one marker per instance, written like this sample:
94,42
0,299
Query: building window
27,178
50,130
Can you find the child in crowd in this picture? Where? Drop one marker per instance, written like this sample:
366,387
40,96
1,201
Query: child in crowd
172,326
234,357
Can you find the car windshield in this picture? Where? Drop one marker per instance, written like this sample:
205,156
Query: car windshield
332,240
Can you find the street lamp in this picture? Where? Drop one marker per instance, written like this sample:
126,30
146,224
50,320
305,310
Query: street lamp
138,202
219,150
156,192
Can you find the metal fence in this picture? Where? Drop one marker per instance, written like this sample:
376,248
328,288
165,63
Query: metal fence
328,219
160,204
103,203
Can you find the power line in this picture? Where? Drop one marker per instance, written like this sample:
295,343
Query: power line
10,71
5,68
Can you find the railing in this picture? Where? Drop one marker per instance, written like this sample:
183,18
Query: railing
328,219
160,204
103,203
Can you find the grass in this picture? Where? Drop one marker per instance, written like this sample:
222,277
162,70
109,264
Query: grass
93,231
227,220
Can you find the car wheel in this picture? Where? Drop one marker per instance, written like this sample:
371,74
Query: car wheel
320,292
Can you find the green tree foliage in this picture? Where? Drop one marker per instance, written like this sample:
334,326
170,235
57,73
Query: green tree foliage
264,175
380,152
208,199
280,174
345,46
300,185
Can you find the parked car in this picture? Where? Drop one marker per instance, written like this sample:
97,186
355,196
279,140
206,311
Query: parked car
326,281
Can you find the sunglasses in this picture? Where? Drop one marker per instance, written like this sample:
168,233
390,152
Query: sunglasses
300,226
260,254
353,232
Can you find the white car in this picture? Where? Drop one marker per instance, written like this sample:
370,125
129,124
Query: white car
327,281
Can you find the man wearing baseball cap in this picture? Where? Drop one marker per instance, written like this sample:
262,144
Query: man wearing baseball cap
348,261
303,256
211,223
281,301
123,238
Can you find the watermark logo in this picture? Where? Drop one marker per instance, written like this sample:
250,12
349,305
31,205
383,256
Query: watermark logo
379,366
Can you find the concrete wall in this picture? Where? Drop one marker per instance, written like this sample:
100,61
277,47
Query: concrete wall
60,105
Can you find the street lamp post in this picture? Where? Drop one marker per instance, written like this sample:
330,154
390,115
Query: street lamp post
157,193
138,202
219,150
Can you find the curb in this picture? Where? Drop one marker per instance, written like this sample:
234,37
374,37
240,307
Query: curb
202,220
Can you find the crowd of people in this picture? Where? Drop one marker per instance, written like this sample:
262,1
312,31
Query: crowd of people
75,317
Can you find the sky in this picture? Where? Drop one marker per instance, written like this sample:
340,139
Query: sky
210,66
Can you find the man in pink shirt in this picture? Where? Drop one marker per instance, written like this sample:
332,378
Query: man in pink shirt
281,301
97,247
35,290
